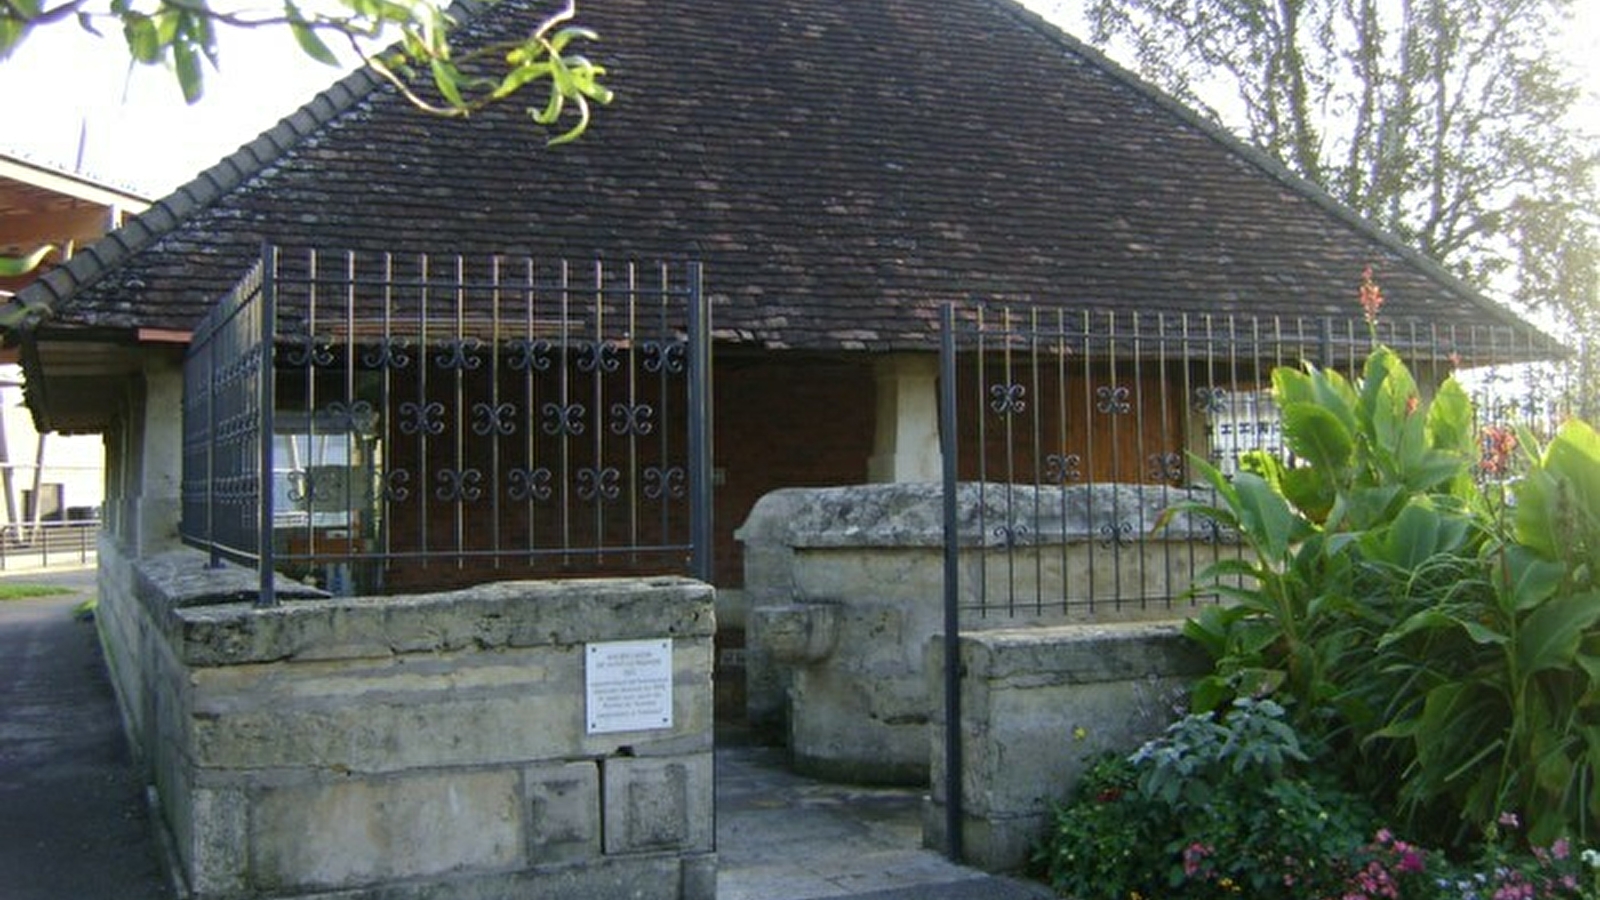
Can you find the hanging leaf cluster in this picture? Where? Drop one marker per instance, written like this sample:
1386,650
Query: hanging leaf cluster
420,57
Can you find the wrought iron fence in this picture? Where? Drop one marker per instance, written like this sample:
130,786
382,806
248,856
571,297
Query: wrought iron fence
381,423
1070,432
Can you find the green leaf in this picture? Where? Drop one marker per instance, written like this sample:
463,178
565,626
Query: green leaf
520,76
1550,636
1574,455
1367,507
1387,393
144,44
11,267
551,111
1440,620
1525,578
575,131
1316,435
186,62
1265,517
1450,421
1536,519
1210,693
1291,386
1416,534
559,41
447,79
305,36
12,31
1311,492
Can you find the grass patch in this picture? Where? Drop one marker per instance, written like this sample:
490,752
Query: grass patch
23,590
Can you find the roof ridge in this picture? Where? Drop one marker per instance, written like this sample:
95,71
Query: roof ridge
1257,157
38,300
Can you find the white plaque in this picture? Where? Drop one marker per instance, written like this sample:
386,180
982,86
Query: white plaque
628,685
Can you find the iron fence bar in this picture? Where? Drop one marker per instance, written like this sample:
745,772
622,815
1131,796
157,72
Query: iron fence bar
1090,457
597,391
1008,487
1064,466
700,434
951,681
663,398
213,552
351,405
630,430
1036,408
983,467
266,332
459,493
564,388
494,434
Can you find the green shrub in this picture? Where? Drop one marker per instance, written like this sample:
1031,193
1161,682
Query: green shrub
1439,639
1214,808
1241,807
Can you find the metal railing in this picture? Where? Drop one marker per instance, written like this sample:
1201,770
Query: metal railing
439,421
47,544
1072,430
1067,433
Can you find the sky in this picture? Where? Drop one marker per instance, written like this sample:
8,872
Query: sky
72,102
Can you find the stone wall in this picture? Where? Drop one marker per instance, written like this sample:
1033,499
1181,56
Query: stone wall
426,746
845,588
1037,704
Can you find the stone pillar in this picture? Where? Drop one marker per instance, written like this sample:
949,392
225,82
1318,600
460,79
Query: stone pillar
906,445
1038,704
154,493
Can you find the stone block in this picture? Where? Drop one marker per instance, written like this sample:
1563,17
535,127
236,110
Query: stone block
563,811
217,829
353,832
413,747
657,804
391,714
797,633
506,614
699,877
1037,705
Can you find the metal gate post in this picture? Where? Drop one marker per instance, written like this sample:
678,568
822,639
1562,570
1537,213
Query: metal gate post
952,611
701,559
267,397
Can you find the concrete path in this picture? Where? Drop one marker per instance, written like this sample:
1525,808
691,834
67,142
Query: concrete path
73,820
783,837
72,812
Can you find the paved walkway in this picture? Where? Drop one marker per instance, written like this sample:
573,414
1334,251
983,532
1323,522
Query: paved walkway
784,837
73,821
72,812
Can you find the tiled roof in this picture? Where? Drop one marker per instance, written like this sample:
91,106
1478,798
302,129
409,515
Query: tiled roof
841,168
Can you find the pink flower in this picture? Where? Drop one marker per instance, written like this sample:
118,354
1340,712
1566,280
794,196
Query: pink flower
1193,856
1371,296
1509,820
1410,860
1562,848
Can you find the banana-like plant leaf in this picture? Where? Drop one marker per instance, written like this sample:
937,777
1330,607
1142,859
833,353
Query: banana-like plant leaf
1523,578
1449,423
1549,637
1316,435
